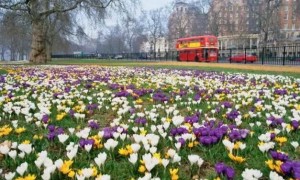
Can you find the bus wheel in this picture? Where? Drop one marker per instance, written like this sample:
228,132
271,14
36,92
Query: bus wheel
177,58
196,59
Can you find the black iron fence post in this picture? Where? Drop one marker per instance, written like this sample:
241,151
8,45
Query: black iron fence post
284,56
263,55
230,54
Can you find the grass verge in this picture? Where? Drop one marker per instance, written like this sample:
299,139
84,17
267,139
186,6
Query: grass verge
293,71
2,71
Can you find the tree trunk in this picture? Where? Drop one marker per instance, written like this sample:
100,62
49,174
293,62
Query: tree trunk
38,46
48,49
2,54
12,54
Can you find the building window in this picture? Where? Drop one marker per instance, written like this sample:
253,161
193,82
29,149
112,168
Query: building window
286,8
285,26
286,16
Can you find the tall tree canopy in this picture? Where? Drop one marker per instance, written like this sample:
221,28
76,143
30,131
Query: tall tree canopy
42,14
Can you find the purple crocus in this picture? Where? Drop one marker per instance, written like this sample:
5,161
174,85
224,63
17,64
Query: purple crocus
45,118
54,131
229,172
291,168
295,124
51,128
93,125
181,141
223,169
238,134
219,168
191,119
140,120
108,133
84,142
279,156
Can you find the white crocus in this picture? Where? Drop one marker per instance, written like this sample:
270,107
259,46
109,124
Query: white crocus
135,147
58,163
103,177
251,174
133,158
274,176
176,158
265,147
150,162
22,168
165,162
228,144
4,149
265,137
71,130
171,152
88,147
72,153
100,159
200,162
110,144
87,172
12,154
178,145
193,158
21,155
9,176
27,148
62,137
295,144
177,120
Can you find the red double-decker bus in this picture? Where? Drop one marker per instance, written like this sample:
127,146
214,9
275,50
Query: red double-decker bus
198,48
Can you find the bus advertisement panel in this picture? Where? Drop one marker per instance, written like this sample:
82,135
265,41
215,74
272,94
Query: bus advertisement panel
198,48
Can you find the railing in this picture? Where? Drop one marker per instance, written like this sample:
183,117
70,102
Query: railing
281,55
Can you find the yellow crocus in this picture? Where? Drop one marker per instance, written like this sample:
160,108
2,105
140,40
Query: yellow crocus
20,130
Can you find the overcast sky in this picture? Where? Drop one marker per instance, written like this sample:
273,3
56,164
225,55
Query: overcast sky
92,29
154,4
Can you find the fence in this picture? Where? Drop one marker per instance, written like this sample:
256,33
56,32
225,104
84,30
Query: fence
281,55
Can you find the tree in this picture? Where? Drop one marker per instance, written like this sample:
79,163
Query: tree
188,19
156,26
266,12
58,26
134,31
14,35
40,10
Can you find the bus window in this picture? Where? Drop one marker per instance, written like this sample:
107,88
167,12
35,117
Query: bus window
213,52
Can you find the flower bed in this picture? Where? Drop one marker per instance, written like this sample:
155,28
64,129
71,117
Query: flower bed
81,122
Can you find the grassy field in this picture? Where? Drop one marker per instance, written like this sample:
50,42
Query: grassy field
220,67
293,71
2,71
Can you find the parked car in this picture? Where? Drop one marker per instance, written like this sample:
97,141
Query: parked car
118,57
241,58
143,57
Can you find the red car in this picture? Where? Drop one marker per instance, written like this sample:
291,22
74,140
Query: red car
241,58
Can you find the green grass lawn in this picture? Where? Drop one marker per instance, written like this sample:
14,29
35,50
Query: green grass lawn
2,71
147,63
